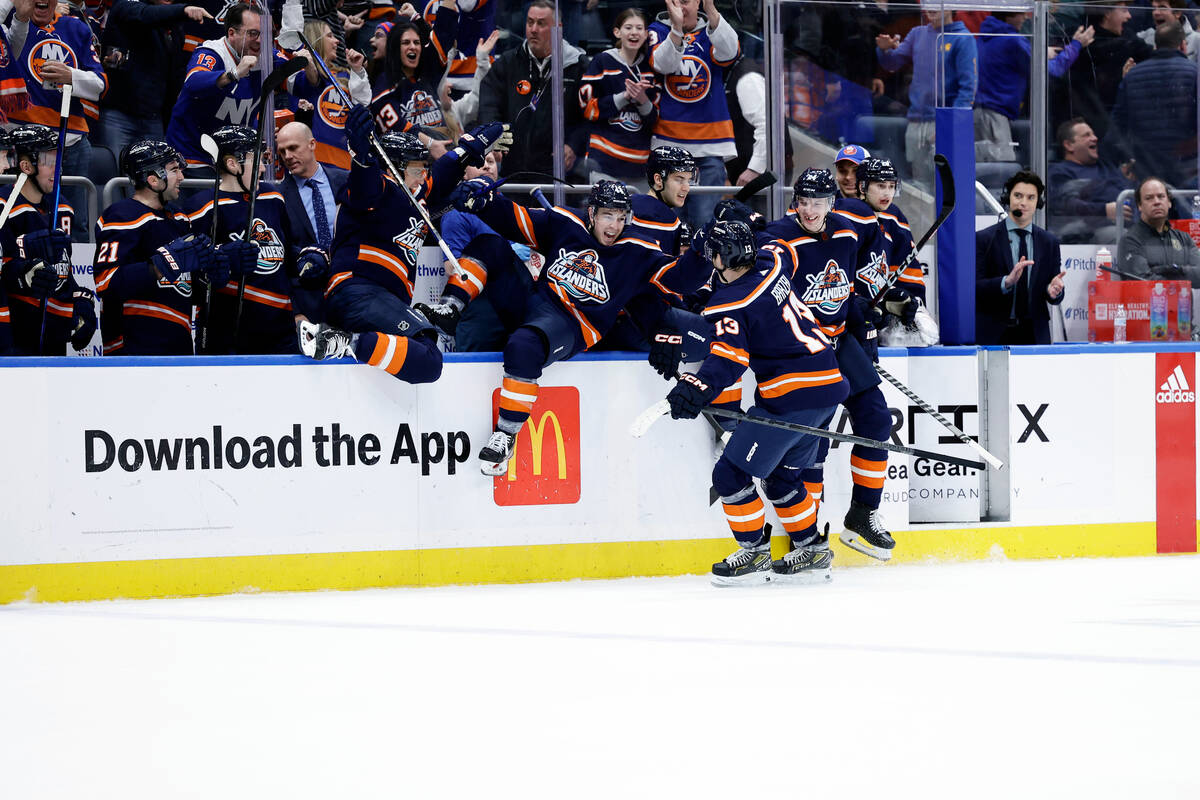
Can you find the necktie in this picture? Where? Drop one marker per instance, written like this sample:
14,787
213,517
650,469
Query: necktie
1020,293
322,219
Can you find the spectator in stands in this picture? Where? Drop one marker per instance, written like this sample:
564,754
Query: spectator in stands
1152,248
463,111
1018,270
141,48
1004,56
414,62
942,54
1093,80
1082,191
310,91
617,96
746,97
692,51
845,164
197,32
476,23
515,91
1154,120
1172,11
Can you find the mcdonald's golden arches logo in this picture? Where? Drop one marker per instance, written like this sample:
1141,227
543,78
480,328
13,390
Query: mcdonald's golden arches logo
544,469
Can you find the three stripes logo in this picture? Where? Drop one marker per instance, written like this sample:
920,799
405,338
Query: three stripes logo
1175,389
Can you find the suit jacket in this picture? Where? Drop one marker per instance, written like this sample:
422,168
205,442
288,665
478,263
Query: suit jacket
301,224
993,261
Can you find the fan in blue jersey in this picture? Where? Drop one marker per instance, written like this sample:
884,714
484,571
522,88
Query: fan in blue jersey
758,322
592,271
414,62
48,308
273,256
148,263
823,245
377,238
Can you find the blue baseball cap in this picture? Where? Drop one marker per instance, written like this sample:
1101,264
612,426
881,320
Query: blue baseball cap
852,152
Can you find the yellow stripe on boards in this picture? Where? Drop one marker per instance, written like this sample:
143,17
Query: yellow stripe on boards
186,577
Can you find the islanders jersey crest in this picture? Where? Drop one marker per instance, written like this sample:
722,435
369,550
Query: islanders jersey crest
581,275
270,247
410,240
828,289
874,273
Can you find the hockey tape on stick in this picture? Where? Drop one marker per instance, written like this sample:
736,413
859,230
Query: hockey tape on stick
11,202
947,424
648,417
755,186
209,146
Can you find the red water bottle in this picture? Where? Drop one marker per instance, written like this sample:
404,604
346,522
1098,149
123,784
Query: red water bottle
1103,264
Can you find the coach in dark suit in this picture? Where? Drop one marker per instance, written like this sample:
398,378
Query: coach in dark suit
1018,270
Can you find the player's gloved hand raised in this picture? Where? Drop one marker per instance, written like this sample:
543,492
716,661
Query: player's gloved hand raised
689,397
359,127
312,268
902,304
44,245
182,256
83,321
700,239
473,146
472,196
731,210
241,258
666,351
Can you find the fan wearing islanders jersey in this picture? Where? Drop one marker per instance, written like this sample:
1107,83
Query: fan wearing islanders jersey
328,111
377,238
148,263
264,320
476,22
414,62
592,271
822,246
759,322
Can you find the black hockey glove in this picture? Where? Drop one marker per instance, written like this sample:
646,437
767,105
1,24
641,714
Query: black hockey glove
473,146
1171,272
83,323
40,279
700,239
736,211
178,257
689,397
472,196
863,323
359,127
46,246
241,258
312,268
902,304
666,351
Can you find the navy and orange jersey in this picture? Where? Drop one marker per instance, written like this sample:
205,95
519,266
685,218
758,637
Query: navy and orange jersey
476,21
197,33
67,39
328,119
25,308
378,233
620,135
5,322
203,106
898,243
590,281
760,324
267,316
655,220
692,111
870,265
409,104
141,313
820,266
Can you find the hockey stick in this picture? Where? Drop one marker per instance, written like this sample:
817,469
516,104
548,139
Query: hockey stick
663,407
541,199
943,169
270,84
755,186
11,202
383,156
64,114
209,146
947,424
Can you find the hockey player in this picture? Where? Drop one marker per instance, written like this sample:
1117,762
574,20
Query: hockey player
267,316
823,245
878,186
377,238
593,271
148,262
48,308
760,323
670,171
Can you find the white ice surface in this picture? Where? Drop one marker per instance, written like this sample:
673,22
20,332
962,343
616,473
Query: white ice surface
1063,679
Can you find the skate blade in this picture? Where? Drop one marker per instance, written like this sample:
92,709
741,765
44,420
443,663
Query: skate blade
856,542
493,470
751,579
808,577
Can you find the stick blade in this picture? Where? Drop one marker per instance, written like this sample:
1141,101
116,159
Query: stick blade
947,177
209,145
755,186
648,417
280,74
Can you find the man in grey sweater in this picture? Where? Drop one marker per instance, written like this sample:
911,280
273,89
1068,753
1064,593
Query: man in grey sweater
1152,249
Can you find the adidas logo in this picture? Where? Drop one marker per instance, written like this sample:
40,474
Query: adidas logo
1176,389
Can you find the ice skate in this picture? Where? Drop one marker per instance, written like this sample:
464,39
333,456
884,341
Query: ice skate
493,458
809,563
865,534
744,567
443,316
320,341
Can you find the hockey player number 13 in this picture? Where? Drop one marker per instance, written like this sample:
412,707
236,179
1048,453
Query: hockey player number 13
792,312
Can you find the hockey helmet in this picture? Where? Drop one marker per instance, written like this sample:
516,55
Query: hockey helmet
876,170
145,157
610,194
814,183
666,159
733,241
29,140
234,140
402,148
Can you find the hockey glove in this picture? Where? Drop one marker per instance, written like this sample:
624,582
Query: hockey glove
359,127
902,304
180,257
700,239
241,258
689,397
863,322
48,246
472,196
312,268
473,146
666,351
736,211
40,279
83,323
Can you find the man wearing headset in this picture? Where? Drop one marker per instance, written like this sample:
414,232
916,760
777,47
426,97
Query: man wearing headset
1018,270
